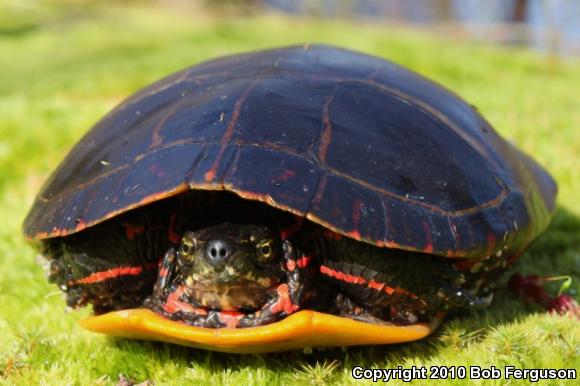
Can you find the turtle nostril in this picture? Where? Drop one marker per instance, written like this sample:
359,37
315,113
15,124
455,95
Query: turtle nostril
217,252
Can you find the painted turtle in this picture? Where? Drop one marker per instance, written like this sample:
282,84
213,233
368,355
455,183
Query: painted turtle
310,196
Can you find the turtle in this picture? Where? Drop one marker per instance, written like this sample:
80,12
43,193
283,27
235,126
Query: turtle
287,198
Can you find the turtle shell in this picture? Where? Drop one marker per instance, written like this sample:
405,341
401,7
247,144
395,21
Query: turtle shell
356,143
353,142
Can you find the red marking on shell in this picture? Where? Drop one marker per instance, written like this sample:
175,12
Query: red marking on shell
455,234
286,175
171,234
317,199
428,238
157,138
157,170
174,304
326,135
457,254
355,234
131,231
356,213
304,261
80,225
210,174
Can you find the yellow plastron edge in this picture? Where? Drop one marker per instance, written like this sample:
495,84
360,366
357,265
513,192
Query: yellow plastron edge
302,329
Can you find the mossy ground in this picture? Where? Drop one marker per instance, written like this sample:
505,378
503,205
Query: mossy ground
60,70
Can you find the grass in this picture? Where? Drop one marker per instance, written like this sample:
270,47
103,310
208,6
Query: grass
59,74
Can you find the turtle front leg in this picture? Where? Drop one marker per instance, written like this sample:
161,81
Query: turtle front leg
166,274
289,294
168,296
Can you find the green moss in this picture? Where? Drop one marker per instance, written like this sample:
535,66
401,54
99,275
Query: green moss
57,78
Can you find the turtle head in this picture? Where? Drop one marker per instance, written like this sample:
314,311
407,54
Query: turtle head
231,266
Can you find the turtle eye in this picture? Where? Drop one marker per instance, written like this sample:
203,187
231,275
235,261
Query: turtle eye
187,246
265,251
185,249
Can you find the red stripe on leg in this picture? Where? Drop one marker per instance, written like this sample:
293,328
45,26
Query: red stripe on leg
359,280
342,276
290,265
97,277
163,272
284,303
110,274
173,304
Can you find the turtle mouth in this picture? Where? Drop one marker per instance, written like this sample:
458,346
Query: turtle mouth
232,297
